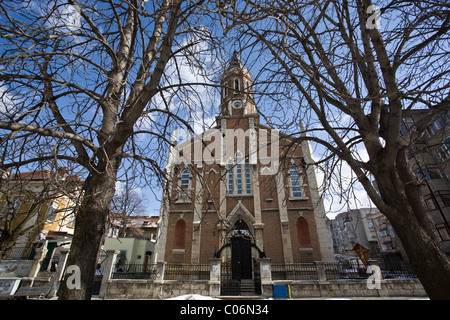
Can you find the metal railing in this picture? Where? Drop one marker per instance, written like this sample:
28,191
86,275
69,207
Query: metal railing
171,271
280,271
294,271
134,271
400,270
187,271
335,271
228,285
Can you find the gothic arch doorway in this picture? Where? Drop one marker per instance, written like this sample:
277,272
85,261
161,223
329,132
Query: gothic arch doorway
240,275
241,251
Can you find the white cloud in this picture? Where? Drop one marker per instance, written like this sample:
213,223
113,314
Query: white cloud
121,189
66,18
344,193
7,104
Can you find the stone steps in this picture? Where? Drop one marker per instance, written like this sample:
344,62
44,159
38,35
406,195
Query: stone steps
247,287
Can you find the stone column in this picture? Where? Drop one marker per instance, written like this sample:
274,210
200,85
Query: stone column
323,233
160,268
320,268
221,227
111,256
266,271
375,279
198,203
214,278
258,226
266,275
285,232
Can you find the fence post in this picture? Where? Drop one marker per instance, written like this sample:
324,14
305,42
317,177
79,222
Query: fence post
265,271
320,268
160,269
215,269
111,256
214,277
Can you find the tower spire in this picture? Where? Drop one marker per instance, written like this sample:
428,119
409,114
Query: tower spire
237,93
235,61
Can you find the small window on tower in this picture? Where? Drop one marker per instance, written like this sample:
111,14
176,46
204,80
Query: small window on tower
236,86
225,90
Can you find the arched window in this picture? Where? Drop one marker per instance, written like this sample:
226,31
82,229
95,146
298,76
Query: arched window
225,90
303,237
239,178
296,182
185,175
236,86
184,185
180,235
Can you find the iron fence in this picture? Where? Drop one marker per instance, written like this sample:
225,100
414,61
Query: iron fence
294,271
335,271
134,271
171,271
399,270
280,271
187,271
228,285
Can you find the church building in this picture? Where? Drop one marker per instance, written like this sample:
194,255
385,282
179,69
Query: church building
241,191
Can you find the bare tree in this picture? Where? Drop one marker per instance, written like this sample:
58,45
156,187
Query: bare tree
125,204
98,84
331,66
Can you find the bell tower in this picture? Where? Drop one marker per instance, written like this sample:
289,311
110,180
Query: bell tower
237,89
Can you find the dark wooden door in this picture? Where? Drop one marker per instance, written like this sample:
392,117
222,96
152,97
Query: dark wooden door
241,260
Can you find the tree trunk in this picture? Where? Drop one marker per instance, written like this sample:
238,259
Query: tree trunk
90,225
426,256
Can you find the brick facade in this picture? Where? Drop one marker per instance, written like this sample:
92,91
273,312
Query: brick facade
280,213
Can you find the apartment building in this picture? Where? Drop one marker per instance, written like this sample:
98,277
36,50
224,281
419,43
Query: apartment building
429,157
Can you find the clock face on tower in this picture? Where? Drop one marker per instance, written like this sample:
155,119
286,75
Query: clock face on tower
237,104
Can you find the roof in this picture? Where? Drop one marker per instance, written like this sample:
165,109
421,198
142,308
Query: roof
34,175
46,175
136,221
235,61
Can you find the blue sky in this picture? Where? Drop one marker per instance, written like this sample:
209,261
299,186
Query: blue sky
204,100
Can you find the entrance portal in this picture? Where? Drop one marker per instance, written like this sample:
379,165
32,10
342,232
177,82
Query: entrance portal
240,275
241,252
241,260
